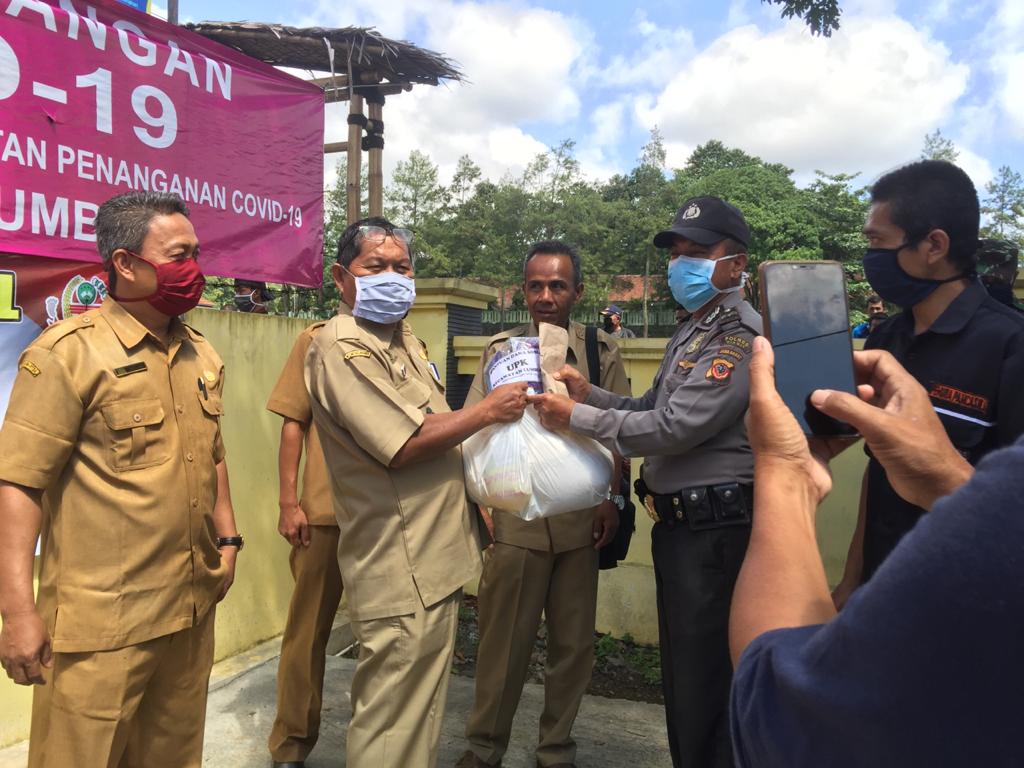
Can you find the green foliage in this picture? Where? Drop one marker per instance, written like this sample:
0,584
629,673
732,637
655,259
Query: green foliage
481,228
820,16
1004,205
938,147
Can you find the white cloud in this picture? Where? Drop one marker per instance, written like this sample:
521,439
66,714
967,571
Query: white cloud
657,56
522,66
861,100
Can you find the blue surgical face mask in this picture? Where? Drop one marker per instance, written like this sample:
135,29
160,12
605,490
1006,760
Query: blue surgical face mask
689,279
383,298
887,278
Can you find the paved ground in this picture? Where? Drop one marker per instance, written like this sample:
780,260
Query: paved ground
611,733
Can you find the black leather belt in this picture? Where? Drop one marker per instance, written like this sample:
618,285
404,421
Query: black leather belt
701,507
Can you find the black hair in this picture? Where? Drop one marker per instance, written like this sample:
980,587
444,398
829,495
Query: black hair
933,194
874,298
557,248
351,241
122,222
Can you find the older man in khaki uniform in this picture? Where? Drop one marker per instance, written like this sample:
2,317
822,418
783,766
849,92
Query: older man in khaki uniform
545,565
408,541
309,525
112,445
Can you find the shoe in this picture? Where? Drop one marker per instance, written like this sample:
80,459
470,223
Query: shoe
290,764
470,760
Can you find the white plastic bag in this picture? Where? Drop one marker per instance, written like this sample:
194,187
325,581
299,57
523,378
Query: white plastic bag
533,472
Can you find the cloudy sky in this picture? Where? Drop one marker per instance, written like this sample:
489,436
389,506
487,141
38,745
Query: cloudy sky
604,73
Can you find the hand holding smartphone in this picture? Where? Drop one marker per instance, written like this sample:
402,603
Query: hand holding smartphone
806,318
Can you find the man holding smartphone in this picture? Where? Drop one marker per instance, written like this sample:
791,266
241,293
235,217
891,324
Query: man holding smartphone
962,345
697,478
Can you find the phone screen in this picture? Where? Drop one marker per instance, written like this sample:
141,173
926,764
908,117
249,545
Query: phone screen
808,324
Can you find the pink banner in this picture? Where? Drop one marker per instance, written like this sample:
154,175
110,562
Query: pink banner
97,99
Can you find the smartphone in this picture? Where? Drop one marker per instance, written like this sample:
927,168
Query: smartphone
806,318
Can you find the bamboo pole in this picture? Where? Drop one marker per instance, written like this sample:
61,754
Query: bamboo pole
375,156
335,146
355,134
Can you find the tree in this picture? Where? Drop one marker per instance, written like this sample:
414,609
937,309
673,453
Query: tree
821,16
653,154
938,147
1004,205
414,192
467,174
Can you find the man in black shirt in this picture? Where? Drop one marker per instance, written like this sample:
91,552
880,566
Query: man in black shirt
966,348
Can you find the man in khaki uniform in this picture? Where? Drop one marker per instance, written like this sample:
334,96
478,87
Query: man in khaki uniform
408,541
112,446
310,527
548,564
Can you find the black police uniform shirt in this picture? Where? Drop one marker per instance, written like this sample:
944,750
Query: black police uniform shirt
971,361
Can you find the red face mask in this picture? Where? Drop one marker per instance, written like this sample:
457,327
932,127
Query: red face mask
179,286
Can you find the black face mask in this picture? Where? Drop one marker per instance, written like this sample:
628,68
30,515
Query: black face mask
609,326
246,303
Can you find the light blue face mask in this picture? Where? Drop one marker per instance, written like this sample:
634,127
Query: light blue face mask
383,298
689,279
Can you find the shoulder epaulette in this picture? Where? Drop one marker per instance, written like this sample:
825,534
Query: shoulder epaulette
63,328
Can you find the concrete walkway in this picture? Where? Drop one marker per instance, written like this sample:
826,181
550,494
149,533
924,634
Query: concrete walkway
611,733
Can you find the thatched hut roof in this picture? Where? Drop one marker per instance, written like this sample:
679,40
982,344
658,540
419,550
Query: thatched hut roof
370,56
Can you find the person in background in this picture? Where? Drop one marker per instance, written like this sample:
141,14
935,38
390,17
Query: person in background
876,308
612,321
998,264
308,524
251,297
112,451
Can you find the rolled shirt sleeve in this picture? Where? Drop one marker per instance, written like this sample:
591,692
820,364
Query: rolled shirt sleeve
289,397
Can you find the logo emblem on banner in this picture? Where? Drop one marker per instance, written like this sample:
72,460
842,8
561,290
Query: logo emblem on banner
78,296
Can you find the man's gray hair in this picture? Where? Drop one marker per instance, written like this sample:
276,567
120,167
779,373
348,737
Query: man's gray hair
123,221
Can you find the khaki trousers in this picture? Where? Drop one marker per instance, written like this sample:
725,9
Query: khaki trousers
143,705
516,586
300,672
400,687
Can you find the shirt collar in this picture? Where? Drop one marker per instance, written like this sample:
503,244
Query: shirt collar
385,334
129,330
961,309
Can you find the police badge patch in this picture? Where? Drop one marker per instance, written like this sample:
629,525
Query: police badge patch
720,370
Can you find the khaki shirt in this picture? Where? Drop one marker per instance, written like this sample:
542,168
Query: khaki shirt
407,537
689,424
291,400
125,441
571,530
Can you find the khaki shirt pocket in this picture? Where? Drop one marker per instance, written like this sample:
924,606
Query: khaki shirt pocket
415,392
136,435
209,429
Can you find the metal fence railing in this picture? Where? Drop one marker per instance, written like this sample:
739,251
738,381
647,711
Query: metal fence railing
631,318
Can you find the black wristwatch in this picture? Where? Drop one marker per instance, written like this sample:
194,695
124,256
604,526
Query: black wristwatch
231,541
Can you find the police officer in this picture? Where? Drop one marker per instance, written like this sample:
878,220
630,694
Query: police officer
698,471
963,346
408,542
309,525
546,565
612,320
112,445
